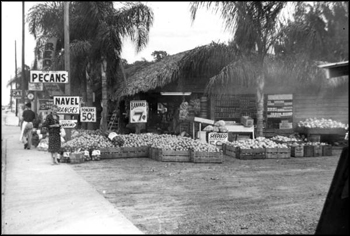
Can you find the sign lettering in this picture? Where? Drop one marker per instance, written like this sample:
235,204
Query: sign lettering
88,114
70,124
48,77
217,138
67,104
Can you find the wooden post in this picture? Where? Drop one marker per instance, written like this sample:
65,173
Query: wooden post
23,72
67,61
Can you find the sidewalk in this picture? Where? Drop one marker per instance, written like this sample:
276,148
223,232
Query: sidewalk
40,198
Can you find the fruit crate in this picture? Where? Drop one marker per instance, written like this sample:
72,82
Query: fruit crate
271,153
327,150
230,151
76,157
297,151
250,154
206,157
308,151
284,152
124,152
317,151
159,154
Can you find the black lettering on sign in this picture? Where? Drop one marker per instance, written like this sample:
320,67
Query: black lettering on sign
49,46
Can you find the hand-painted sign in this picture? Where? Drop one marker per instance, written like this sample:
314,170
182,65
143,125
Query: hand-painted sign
88,114
70,124
48,76
45,104
49,52
67,104
16,93
35,86
217,138
138,111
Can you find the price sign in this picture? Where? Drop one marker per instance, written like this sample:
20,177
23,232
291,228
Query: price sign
88,114
217,138
16,93
138,111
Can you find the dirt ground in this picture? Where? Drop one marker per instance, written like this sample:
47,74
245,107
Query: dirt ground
271,196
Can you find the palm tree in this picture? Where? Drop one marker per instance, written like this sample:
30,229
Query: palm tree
254,29
96,33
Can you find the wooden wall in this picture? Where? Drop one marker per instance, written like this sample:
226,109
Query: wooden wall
329,105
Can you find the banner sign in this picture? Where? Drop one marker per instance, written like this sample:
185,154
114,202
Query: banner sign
49,53
88,114
217,138
38,76
67,104
35,86
45,104
138,111
70,124
16,93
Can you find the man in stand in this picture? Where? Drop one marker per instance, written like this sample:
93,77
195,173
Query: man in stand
27,126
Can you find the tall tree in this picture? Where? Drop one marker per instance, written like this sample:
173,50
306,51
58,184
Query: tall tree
96,32
254,26
159,55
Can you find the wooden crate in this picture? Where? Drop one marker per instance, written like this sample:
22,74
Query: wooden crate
75,158
206,157
230,151
169,155
124,152
297,151
284,152
309,151
317,151
249,154
271,153
327,150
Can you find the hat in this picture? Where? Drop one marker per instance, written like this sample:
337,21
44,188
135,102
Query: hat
28,105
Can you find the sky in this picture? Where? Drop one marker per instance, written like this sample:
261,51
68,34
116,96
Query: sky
173,31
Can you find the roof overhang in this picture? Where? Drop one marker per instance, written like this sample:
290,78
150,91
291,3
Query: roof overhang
336,69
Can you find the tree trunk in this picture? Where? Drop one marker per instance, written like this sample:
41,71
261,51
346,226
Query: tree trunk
103,124
83,87
260,104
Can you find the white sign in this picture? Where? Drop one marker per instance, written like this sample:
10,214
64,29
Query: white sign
68,123
67,104
30,96
35,86
217,138
48,76
138,111
16,93
88,114
280,97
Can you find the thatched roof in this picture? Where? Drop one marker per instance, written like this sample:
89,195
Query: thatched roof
204,61
151,77
225,68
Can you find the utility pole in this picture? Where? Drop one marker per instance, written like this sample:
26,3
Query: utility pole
67,61
16,76
23,73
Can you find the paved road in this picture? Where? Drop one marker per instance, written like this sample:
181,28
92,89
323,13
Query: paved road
41,198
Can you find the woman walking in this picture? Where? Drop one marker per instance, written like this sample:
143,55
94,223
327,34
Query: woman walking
53,126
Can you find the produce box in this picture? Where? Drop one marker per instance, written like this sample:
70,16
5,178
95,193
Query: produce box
327,150
284,152
247,121
169,155
308,151
317,151
271,153
206,157
249,154
230,151
124,152
76,157
314,138
297,151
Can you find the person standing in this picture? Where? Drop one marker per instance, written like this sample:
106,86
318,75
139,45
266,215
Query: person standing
52,124
28,117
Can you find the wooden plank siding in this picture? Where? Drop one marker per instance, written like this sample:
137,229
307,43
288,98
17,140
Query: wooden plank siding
328,106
